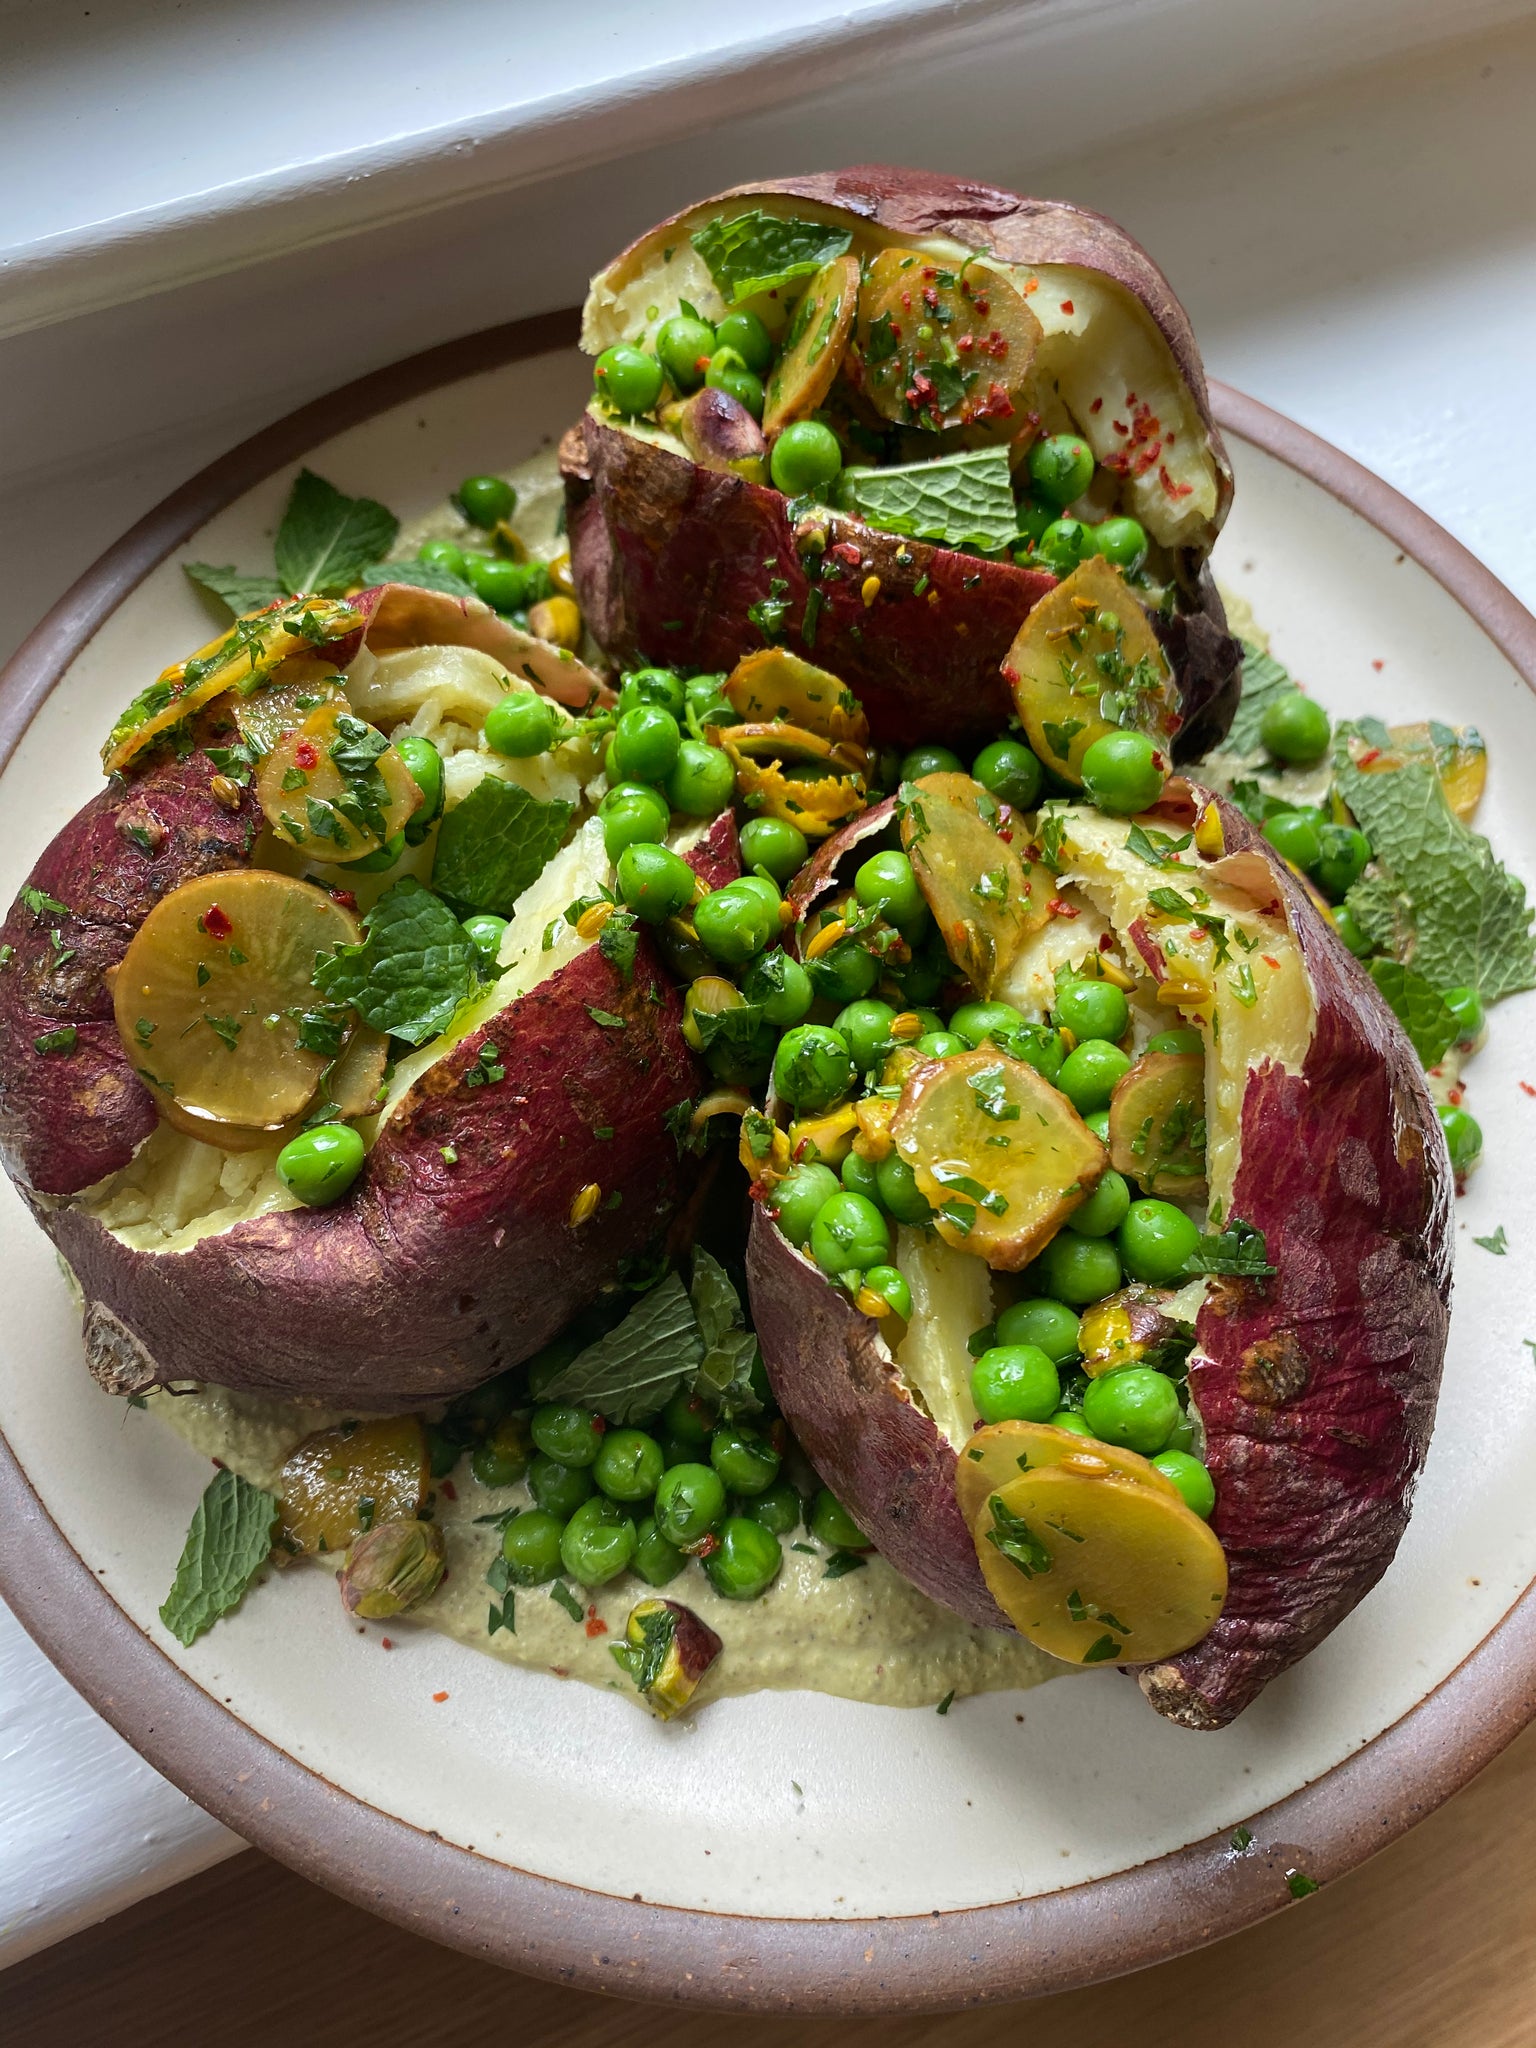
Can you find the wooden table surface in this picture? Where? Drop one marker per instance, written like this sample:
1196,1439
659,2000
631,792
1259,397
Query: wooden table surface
1433,1943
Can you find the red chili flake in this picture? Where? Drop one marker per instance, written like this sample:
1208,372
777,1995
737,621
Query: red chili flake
1526,1088
219,1462
1097,405
344,897
450,1491
1005,836
439,1697
305,755
706,1548
596,1626
1033,285
386,1643
1269,960
1067,306
1106,943
701,363
996,345
215,923
1371,754
1378,666
997,405
906,300
1130,398
1119,426
1010,675
1174,490
1456,1093
1068,910
964,343
845,551
930,298
983,304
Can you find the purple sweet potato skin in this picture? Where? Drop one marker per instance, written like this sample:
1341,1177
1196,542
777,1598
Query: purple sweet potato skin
1316,1390
433,1273
846,1402
68,1119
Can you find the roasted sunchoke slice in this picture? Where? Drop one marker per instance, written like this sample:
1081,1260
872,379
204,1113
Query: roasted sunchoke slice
996,1455
940,344
984,899
1157,1124
814,346
335,787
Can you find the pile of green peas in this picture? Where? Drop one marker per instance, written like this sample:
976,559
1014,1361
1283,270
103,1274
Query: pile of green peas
1060,469
508,586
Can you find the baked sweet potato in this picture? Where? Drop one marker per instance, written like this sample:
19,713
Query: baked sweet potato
688,561
520,1158
1313,1385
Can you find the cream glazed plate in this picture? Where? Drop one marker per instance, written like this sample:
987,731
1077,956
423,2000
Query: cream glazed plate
787,1849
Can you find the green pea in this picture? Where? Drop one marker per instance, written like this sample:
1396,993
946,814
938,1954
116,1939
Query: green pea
1063,545
442,554
844,972
745,332
865,1028
559,1488
1156,1240
497,581
598,1542
923,977
1342,857
887,884
424,764
774,844
689,1418
780,987
806,457
1183,1039
929,761
1120,541
320,1164
572,1435
1463,1137
1014,1383
1098,1123
1011,772
521,725
485,932
734,923
702,780
899,1191
684,345
485,500
813,1068
889,1284
628,1465
746,1461
1350,930
1091,1009
1050,1325
1038,1045
1033,519
503,1458
860,1175
645,745
747,1561
1089,1073
689,1502
762,886
1295,727
382,859
1183,1438
530,1543
849,1234
1466,1006
776,1507
656,1560
1105,1209
940,1045
653,686
831,1524
1135,1408
654,882
1069,1419
799,1197
1060,468
1123,773
728,372
626,379
977,1022
1079,1270
1191,1478
1295,835
632,815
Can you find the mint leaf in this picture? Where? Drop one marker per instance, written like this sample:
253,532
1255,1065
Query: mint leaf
961,500
1439,901
1498,1244
240,593
228,1543
724,1377
1239,1249
494,843
637,1368
762,252
421,575
1419,1007
1264,679
326,539
411,971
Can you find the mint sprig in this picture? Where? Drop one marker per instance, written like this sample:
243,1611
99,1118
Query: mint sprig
228,1543
961,500
495,843
763,252
413,968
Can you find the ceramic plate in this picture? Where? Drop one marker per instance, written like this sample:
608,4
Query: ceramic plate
787,1849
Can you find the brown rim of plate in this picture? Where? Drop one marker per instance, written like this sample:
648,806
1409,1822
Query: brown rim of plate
946,1960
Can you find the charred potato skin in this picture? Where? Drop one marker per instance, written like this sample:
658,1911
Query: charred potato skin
455,1254
70,1118
1316,1390
668,558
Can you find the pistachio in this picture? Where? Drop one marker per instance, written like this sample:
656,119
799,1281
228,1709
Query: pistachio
393,1568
